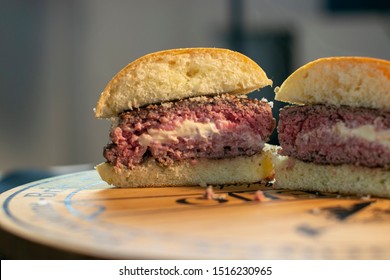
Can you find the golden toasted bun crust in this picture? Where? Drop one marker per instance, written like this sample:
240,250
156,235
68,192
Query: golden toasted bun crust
294,174
177,74
204,172
351,81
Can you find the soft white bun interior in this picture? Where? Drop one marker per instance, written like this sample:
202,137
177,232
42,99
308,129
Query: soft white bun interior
177,74
294,174
242,169
351,81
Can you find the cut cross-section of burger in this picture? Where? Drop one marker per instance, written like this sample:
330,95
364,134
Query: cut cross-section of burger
337,137
181,117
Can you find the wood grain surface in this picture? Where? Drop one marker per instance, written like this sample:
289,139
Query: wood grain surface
79,216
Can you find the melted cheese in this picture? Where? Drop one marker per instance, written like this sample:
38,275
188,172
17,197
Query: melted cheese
187,129
266,168
366,132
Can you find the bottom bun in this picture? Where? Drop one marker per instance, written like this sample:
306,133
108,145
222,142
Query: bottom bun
203,172
294,174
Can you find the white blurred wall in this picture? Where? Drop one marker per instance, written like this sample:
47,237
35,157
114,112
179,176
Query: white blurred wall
84,43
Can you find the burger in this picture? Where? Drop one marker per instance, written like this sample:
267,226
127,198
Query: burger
182,117
335,135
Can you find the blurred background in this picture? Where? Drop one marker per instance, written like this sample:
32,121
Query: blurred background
57,56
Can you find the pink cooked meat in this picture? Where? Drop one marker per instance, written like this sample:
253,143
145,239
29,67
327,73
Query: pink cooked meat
240,125
312,133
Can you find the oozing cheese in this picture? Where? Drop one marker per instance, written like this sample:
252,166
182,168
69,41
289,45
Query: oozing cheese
366,132
266,168
186,129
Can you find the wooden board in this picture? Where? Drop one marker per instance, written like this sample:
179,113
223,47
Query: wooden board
80,216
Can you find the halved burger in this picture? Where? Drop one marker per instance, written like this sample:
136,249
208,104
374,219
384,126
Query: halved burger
182,117
336,136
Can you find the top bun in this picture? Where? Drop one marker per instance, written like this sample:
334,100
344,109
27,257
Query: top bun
351,81
179,73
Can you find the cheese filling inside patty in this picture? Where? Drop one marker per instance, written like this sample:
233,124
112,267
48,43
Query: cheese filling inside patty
203,127
187,129
336,135
366,132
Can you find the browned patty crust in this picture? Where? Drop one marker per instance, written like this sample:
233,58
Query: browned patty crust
243,126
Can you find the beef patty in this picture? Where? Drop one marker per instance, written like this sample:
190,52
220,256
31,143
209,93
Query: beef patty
200,127
336,135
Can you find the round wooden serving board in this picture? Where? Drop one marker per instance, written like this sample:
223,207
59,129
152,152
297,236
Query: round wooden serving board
80,216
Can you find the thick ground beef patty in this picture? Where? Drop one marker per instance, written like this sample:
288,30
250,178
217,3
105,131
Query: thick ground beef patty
201,127
336,135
